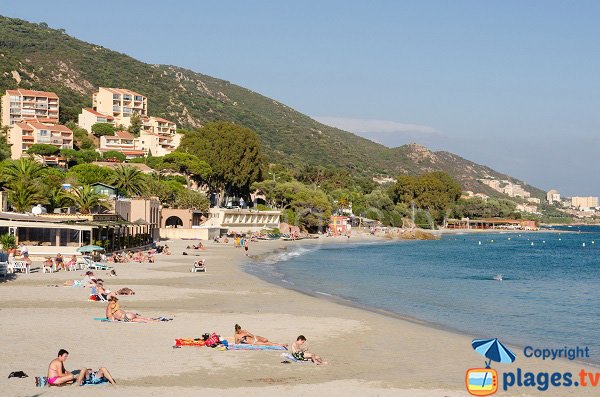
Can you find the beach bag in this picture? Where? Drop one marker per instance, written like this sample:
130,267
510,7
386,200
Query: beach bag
213,340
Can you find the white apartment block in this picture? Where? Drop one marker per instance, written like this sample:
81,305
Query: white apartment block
506,187
89,117
123,142
120,103
21,105
23,135
584,202
534,200
147,143
159,144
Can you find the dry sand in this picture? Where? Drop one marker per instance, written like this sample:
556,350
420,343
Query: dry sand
370,354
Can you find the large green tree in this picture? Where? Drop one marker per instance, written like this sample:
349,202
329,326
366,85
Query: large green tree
189,165
86,174
102,129
232,151
129,180
43,149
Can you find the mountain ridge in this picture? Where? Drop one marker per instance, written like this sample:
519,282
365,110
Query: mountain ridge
37,57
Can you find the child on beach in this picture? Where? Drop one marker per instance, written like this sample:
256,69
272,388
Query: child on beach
300,352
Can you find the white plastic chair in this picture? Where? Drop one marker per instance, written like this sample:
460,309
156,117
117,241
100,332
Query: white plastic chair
199,266
18,265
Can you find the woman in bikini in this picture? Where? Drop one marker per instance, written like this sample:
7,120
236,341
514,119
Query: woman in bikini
244,337
114,312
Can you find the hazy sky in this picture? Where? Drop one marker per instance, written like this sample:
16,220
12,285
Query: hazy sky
510,84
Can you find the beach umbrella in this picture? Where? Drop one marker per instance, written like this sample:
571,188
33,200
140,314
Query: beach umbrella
494,350
90,248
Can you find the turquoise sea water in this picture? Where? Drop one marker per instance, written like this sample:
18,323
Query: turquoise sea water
549,295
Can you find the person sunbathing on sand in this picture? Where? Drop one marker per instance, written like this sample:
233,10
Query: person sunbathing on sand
244,337
88,281
300,352
114,312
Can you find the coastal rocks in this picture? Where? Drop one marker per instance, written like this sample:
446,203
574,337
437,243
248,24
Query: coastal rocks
409,234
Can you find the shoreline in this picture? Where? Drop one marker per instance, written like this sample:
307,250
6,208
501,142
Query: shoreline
370,354
334,299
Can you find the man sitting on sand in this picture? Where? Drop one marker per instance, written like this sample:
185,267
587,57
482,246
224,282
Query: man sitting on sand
58,375
244,337
300,352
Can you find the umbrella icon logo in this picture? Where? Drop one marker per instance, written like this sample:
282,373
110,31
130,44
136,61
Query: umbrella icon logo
484,381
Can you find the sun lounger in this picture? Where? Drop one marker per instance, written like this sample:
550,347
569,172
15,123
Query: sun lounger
90,264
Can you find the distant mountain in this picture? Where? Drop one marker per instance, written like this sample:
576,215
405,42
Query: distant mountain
37,57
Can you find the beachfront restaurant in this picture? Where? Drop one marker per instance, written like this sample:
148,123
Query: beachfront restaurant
48,234
493,223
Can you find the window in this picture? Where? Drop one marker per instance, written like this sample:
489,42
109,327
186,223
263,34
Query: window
43,132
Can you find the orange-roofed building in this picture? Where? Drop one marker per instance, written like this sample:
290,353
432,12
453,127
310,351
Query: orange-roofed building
21,105
123,142
120,103
25,134
88,117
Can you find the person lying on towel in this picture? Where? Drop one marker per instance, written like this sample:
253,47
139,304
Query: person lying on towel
244,337
114,312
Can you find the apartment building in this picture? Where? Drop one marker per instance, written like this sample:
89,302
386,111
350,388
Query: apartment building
584,202
21,105
158,125
553,196
159,144
123,142
120,103
23,135
89,117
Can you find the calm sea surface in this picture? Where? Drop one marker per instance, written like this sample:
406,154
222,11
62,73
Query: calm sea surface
549,295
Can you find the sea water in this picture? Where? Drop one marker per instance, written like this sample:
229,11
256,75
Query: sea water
540,289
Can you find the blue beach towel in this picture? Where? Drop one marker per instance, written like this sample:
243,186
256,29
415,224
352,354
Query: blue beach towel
254,347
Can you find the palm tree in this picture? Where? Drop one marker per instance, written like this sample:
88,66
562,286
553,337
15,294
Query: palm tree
129,180
23,196
8,242
86,198
24,170
56,199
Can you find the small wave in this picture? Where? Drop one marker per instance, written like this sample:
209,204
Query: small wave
286,255
323,293
287,282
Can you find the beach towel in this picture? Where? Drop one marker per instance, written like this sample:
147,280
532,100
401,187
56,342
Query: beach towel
91,380
106,320
255,347
189,342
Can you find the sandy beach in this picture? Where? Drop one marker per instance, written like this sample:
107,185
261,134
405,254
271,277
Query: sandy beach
369,353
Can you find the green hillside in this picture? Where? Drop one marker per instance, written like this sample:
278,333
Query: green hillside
34,56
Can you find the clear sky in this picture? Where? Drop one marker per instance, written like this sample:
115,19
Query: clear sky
510,84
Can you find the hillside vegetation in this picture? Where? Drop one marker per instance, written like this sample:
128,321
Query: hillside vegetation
35,56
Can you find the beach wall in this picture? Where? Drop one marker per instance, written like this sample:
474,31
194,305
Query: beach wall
203,233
